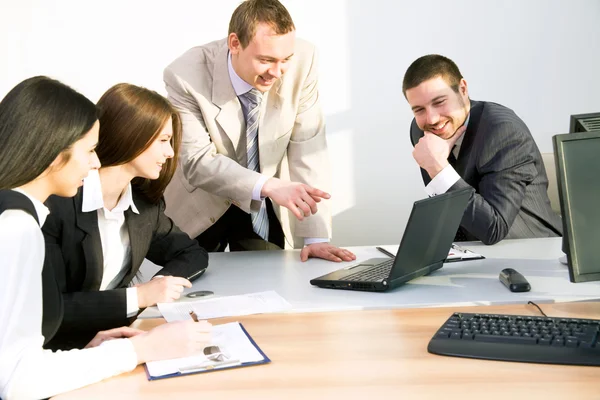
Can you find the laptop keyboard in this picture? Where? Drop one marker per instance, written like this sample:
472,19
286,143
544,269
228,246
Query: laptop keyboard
376,273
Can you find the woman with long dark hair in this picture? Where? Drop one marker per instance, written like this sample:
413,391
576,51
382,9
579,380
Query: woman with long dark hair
48,136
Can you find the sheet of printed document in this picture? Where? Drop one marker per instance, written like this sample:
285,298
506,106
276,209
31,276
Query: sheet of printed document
455,252
229,306
230,338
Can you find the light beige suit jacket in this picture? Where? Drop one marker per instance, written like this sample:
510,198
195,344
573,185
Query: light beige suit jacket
212,172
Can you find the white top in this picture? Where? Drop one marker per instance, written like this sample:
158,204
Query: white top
240,87
26,370
114,235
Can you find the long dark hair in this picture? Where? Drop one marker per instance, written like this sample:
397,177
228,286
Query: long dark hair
131,118
39,119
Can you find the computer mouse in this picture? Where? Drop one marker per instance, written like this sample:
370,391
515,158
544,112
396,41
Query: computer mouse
514,281
197,295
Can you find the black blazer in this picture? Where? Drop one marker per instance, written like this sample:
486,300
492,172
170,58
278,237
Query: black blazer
500,160
74,255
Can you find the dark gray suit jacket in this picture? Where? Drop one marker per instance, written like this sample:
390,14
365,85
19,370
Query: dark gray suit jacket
500,160
74,255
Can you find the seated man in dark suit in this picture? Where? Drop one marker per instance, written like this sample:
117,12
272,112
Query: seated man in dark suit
460,143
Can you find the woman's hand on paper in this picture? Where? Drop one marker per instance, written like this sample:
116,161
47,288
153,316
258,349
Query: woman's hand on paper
172,340
164,289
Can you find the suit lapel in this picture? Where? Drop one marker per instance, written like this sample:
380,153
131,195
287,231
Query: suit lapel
469,139
91,244
268,125
230,116
137,226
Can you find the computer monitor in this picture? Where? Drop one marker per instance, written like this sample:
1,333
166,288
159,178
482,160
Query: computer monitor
577,157
584,123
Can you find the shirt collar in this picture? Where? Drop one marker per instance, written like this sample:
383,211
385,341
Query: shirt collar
40,209
92,195
239,85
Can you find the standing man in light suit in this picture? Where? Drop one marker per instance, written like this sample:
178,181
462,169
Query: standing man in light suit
246,102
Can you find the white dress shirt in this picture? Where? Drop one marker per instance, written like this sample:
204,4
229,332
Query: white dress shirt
116,247
447,177
27,371
241,87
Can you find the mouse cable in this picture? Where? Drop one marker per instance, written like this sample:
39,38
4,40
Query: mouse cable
538,307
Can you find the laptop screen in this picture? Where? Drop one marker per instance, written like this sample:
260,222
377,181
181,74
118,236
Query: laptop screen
429,233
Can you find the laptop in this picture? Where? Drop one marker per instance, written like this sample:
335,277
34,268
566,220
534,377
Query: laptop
429,233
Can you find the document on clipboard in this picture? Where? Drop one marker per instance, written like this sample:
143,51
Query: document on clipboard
236,349
459,253
455,254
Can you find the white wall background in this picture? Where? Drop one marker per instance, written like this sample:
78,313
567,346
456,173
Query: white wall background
538,57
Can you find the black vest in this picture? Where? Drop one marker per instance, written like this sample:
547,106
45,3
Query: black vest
53,305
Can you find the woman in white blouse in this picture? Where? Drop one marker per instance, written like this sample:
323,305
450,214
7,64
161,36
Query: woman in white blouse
48,135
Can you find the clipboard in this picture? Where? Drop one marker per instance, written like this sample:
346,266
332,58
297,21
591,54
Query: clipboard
458,253
229,364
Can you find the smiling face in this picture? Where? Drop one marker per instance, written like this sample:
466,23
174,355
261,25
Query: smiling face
150,162
438,108
67,176
266,58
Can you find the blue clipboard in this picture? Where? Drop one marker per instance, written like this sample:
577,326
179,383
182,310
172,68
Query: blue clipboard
265,360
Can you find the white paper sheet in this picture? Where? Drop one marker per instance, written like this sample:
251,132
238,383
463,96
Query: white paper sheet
230,338
246,304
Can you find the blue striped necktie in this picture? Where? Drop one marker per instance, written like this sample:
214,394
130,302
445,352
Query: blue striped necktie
251,107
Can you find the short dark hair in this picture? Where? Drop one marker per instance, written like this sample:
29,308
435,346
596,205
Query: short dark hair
431,66
39,119
131,118
252,12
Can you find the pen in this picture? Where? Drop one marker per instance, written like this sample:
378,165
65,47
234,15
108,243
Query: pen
208,366
457,247
384,251
194,316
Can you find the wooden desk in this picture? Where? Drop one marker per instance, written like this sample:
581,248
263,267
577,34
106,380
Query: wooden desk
363,354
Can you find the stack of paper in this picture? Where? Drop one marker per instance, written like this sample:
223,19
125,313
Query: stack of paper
253,303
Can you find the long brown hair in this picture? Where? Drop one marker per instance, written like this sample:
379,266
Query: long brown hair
131,118
40,118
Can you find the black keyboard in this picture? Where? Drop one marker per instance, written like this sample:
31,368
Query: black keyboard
519,338
376,273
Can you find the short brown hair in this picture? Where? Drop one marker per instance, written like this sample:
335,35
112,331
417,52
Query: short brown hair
131,118
250,13
431,66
